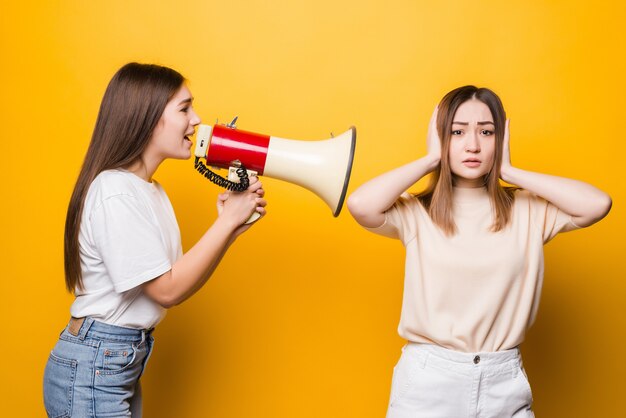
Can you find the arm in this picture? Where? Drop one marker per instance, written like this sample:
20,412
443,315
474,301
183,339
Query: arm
195,267
368,203
585,203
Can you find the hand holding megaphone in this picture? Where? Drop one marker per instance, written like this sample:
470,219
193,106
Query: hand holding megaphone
242,207
323,167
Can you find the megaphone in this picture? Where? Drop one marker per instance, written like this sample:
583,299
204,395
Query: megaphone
322,166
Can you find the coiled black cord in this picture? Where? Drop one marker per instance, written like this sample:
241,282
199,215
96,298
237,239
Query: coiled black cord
243,184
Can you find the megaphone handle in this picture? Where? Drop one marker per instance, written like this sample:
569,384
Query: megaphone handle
234,175
253,218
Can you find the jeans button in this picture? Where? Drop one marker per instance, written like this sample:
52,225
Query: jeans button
476,359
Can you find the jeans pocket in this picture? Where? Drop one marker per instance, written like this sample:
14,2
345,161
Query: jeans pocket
58,386
117,357
403,376
523,378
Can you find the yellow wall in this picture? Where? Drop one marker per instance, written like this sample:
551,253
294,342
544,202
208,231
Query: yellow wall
300,319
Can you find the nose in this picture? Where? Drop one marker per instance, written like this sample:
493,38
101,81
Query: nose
195,119
472,144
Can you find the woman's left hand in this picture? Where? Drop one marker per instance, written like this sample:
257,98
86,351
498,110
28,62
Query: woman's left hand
506,153
255,191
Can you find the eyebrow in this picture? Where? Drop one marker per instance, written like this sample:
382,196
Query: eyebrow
480,123
186,101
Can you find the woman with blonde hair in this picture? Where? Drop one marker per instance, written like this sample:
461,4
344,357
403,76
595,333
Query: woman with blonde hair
474,259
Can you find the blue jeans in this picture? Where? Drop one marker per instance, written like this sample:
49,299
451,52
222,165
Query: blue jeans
94,371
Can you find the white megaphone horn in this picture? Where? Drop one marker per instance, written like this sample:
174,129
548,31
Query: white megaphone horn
322,167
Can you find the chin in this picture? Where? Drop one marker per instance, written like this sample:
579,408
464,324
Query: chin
181,156
468,175
186,154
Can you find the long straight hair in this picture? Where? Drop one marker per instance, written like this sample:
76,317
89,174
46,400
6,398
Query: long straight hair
130,110
437,197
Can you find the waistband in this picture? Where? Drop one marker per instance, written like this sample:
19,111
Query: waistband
82,328
485,358
467,364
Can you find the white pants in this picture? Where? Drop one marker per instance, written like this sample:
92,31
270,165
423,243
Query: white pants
434,382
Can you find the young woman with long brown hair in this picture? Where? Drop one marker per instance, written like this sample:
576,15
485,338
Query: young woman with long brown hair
123,254
474,259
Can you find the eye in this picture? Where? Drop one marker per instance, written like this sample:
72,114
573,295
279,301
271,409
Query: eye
486,132
457,132
184,109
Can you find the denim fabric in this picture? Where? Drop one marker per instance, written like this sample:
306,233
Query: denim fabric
96,373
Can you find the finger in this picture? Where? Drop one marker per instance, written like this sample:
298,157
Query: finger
433,118
433,134
432,125
254,187
223,196
261,202
260,192
261,211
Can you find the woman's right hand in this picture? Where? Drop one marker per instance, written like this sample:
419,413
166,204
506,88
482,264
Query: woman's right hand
237,207
194,268
433,142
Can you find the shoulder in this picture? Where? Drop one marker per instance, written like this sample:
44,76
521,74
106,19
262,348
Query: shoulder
408,201
400,218
407,206
407,210
528,199
158,187
110,183
522,196
111,186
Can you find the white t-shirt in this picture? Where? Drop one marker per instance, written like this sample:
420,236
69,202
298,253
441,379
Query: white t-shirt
476,290
128,236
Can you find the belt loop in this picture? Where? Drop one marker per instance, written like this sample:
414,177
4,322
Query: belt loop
143,336
517,363
84,328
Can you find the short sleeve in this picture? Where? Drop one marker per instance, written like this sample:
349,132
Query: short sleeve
550,218
129,241
400,219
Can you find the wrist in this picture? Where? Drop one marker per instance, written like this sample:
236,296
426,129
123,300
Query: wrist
226,224
432,161
507,173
